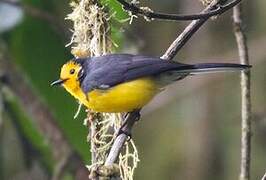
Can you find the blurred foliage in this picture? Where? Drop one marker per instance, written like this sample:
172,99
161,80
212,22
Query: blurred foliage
28,131
39,51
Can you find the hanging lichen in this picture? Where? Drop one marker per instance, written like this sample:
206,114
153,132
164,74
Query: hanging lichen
91,37
206,2
90,29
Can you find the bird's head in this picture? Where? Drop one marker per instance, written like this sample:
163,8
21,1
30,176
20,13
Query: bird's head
70,75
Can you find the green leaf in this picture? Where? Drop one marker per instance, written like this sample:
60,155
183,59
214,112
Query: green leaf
115,9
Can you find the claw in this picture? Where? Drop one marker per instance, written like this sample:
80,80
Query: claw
121,131
124,132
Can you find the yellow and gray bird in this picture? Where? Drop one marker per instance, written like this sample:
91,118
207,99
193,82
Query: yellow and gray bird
125,82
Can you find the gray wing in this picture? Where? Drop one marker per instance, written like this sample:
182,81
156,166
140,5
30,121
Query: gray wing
107,71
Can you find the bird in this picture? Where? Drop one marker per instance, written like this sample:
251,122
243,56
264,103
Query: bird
117,83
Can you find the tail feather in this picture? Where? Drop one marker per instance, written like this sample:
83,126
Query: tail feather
180,71
212,67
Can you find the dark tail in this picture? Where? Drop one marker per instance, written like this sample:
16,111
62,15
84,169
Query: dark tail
212,67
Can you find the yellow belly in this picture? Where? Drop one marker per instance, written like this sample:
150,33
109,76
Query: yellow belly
122,98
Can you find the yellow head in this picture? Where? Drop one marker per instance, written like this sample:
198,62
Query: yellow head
69,76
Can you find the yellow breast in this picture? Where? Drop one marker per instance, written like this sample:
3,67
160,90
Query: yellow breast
124,97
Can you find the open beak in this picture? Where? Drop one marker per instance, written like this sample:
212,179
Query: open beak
58,82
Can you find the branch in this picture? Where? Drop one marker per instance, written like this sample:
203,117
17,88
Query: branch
122,138
191,29
264,177
169,54
148,13
245,92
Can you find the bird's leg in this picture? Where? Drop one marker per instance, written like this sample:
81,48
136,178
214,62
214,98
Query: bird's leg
122,129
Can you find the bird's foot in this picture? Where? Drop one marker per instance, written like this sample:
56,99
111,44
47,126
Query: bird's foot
128,134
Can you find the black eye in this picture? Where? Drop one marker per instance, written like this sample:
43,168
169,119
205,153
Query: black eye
72,71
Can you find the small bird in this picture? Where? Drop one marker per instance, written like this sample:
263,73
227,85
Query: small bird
124,82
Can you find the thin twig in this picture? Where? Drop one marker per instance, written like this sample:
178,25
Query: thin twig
146,12
264,177
182,39
169,54
245,95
